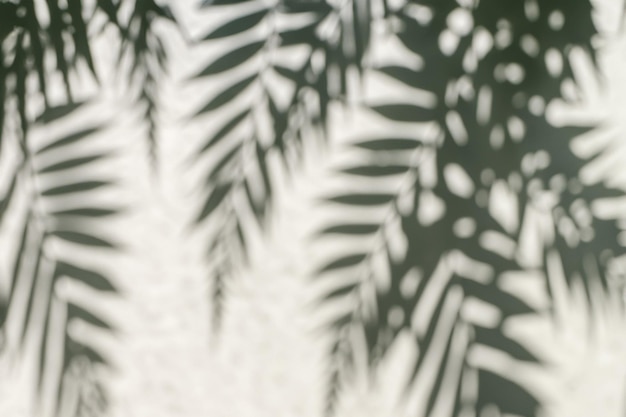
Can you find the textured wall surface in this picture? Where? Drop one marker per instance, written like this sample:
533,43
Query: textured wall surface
268,358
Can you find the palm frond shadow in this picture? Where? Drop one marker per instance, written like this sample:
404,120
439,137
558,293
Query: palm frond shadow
443,249
63,46
44,48
144,45
493,69
261,43
58,228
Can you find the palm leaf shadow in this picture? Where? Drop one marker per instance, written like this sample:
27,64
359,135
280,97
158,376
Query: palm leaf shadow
59,219
487,132
260,43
